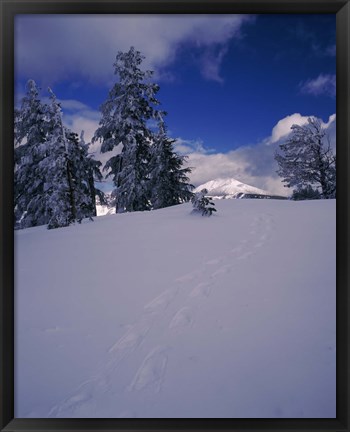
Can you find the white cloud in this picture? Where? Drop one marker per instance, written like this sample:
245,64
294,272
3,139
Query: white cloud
86,120
282,128
73,105
79,117
323,84
210,64
80,123
183,146
331,119
209,167
52,47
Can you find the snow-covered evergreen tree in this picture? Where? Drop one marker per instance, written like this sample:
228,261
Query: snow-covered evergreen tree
93,174
82,170
125,113
168,179
202,204
30,132
59,184
54,174
69,189
306,159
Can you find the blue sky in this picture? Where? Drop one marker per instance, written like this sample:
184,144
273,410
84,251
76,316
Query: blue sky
232,84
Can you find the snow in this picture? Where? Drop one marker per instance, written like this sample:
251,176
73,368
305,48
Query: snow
104,210
229,187
169,314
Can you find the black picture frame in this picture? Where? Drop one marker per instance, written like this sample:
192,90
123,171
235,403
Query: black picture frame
8,10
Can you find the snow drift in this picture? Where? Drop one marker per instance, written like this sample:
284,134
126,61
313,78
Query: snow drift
167,314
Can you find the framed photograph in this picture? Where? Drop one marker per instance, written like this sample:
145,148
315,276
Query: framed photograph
174,217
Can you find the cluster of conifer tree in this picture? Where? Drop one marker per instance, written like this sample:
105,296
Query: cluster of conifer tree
55,174
147,172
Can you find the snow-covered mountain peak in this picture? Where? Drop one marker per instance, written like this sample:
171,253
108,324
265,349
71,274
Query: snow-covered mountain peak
229,187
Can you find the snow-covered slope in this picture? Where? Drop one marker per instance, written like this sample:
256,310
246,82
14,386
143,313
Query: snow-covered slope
229,188
168,314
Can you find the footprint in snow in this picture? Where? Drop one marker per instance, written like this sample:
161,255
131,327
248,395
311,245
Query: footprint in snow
245,255
222,270
151,373
187,277
181,320
237,249
82,402
202,289
132,338
70,406
161,301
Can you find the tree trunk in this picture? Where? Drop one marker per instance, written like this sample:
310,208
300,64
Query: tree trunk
92,193
71,192
322,171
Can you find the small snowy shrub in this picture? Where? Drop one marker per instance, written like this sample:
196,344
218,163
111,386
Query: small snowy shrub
202,204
